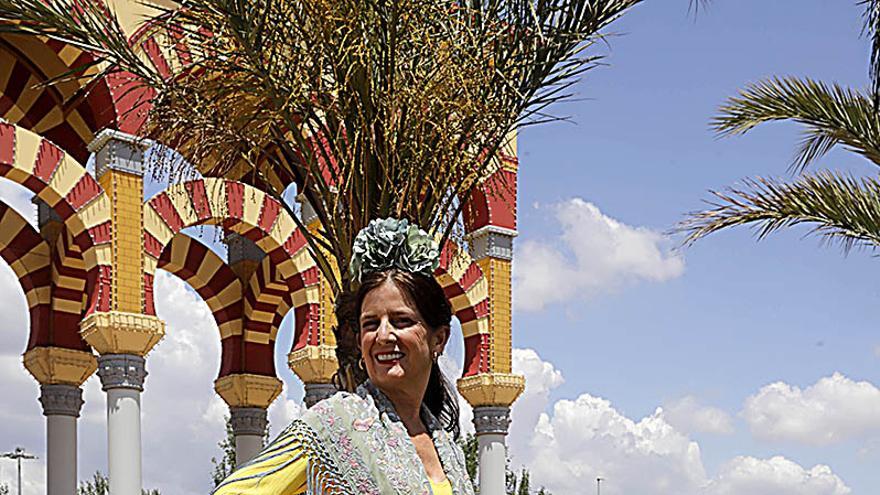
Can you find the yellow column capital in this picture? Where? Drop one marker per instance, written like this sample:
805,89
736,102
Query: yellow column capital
57,365
115,332
491,389
314,363
248,390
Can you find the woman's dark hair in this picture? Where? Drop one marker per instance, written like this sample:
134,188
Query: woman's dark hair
436,310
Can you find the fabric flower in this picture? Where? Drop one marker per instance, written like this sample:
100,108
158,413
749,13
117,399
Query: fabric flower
388,243
420,252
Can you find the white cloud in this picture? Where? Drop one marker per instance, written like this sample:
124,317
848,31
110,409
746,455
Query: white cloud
541,378
19,199
451,370
688,415
834,409
579,440
594,254
775,476
587,437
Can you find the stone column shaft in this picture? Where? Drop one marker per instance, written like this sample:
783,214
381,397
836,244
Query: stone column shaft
122,377
61,406
248,426
491,424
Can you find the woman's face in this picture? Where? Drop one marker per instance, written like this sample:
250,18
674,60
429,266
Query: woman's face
396,344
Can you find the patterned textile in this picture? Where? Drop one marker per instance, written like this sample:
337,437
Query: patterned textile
353,444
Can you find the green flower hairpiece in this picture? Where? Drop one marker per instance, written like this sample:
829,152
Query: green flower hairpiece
391,243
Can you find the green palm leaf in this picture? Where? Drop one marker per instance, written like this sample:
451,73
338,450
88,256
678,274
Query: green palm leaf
839,207
833,115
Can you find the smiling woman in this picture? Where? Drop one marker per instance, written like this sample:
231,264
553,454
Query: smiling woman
396,433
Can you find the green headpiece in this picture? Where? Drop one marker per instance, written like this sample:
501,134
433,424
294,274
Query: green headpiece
392,243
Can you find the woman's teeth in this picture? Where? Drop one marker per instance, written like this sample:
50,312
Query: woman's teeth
389,356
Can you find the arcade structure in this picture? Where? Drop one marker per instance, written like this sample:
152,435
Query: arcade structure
87,271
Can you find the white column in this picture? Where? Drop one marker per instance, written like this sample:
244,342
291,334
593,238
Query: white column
248,426
122,377
61,406
491,425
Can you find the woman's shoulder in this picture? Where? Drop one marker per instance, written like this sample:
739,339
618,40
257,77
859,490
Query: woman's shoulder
340,403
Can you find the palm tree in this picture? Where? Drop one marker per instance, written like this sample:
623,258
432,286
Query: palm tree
372,108
839,207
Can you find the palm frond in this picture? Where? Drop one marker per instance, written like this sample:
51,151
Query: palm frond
839,208
833,115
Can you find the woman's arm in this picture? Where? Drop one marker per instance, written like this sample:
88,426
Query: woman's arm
280,469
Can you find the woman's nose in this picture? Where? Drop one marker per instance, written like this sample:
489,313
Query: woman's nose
384,332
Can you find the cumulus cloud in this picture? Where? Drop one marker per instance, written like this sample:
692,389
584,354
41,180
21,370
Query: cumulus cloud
541,378
688,415
775,476
595,253
452,370
19,199
574,442
21,420
834,409
587,437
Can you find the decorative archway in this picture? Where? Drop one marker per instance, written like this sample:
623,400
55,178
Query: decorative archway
66,188
250,213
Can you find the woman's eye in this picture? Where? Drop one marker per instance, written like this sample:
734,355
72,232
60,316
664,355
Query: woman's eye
403,322
368,327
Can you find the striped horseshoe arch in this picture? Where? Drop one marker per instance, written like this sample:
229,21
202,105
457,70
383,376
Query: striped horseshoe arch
63,184
69,283
28,256
468,291
51,110
216,283
280,281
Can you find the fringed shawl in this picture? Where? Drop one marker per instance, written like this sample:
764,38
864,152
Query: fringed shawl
357,444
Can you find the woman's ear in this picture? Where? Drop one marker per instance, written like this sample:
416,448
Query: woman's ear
439,339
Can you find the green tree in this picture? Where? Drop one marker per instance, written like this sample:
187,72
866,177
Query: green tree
100,485
469,446
516,485
226,465
839,207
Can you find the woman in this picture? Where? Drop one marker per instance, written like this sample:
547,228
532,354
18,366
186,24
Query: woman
396,434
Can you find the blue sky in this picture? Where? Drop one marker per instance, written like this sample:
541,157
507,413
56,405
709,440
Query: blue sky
701,333
743,314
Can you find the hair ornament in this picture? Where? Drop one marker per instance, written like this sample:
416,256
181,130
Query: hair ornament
393,243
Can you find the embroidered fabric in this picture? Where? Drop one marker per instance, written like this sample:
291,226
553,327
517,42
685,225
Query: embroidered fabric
357,444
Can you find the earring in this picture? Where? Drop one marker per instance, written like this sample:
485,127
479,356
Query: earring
361,364
435,356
